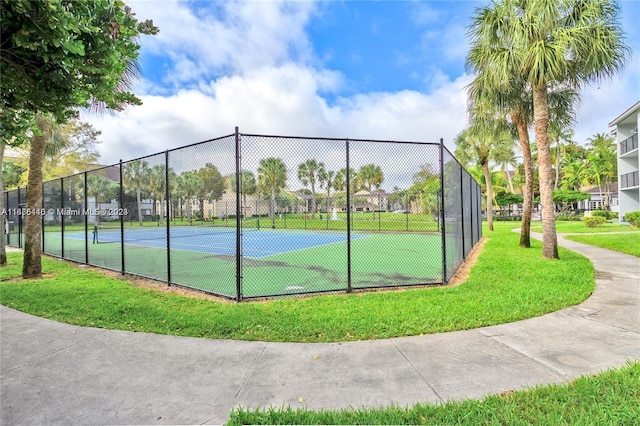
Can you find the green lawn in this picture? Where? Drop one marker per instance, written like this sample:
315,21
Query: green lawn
507,284
580,227
611,398
625,243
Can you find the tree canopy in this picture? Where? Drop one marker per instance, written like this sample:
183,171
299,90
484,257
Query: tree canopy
59,55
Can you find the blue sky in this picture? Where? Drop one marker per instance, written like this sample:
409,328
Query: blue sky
359,69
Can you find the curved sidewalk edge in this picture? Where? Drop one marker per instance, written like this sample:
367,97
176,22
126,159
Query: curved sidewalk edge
63,374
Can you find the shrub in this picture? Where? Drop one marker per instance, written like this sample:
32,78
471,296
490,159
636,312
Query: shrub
561,217
601,213
593,221
507,218
633,218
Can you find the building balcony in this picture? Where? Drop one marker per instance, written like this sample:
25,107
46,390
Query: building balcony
629,144
629,180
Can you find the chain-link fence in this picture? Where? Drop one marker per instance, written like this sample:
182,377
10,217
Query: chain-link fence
248,216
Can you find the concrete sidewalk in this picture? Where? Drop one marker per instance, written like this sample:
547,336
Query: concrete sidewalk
53,373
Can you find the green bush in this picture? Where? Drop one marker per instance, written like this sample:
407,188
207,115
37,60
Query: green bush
566,218
593,221
507,218
601,213
633,218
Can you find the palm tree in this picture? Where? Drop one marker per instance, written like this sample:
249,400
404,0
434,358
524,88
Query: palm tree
46,141
272,177
137,172
309,173
480,143
188,185
340,182
549,43
574,175
602,169
248,185
327,179
156,185
100,188
560,137
371,176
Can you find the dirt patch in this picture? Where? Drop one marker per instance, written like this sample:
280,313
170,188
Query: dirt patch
462,274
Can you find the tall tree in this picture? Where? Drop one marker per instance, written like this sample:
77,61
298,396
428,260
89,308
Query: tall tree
100,188
602,167
551,43
212,186
58,56
188,185
272,178
136,173
16,126
482,142
327,178
340,183
574,175
248,186
371,176
70,151
310,173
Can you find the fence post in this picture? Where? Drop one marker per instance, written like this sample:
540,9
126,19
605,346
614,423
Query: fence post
86,219
43,248
19,222
442,213
348,184
167,203
62,217
120,204
464,251
238,219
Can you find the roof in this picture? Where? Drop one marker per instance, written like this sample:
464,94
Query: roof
633,109
613,189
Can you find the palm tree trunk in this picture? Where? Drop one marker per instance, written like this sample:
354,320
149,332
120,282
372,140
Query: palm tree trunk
541,126
272,208
139,204
313,202
487,179
3,252
509,180
527,202
32,264
557,165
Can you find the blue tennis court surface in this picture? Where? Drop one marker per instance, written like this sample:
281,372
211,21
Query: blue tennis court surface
255,243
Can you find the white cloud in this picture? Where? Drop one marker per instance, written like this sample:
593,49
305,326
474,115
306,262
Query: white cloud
604,101
228,37
282,101
251,66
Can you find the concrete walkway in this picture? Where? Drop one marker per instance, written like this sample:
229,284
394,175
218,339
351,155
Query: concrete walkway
53,373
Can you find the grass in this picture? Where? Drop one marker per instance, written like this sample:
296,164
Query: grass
611,398
507,284
580,227
625,243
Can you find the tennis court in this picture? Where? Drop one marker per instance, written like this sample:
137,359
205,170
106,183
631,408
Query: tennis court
316,215
275,262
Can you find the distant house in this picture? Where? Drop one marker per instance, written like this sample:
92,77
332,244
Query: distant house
626,129
598,200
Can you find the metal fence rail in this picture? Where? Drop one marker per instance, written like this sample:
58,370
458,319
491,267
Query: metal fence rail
247,216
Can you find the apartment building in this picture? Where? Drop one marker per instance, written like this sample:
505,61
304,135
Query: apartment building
626,128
